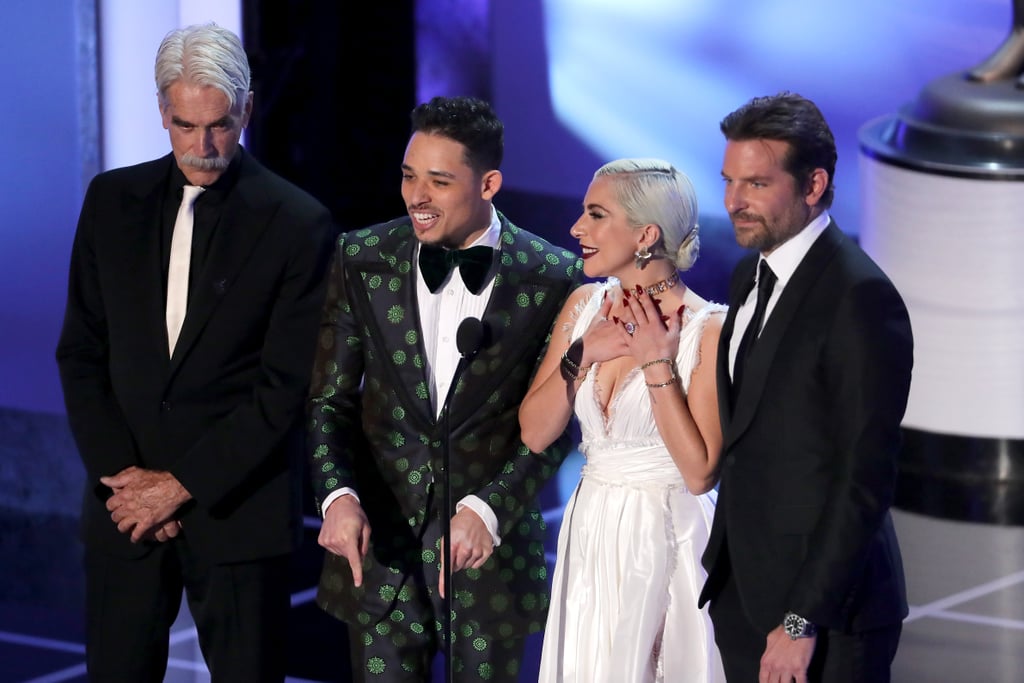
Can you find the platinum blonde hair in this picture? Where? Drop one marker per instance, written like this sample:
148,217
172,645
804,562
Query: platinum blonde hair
206,55
653,191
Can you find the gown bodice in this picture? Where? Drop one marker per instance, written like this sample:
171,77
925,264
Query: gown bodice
624,444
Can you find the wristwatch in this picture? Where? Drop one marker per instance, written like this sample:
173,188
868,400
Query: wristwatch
796,626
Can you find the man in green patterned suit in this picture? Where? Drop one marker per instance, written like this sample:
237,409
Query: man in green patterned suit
386,358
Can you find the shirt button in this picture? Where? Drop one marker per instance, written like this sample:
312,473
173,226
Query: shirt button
165,406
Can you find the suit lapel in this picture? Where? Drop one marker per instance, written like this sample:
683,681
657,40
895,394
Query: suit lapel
383,289
755,372
739,288
519,308
143,290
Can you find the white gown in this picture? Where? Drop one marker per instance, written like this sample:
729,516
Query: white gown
628,572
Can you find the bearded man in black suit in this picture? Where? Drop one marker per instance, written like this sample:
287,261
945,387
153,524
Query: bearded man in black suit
804,572
184,358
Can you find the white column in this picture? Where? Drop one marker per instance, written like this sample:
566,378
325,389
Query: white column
953,248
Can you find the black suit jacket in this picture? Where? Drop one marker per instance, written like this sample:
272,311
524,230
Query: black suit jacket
374,429
222,414
810,447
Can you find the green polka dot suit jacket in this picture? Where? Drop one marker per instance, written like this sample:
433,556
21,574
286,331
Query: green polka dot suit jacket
372,428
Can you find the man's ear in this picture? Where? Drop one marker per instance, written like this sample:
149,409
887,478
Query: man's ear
817,183
490,183
165,117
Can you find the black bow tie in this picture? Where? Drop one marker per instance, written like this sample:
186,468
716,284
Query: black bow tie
436,263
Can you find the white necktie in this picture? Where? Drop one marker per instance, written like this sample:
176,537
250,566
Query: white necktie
177,272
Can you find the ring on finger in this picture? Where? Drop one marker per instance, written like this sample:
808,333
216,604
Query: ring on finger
630,328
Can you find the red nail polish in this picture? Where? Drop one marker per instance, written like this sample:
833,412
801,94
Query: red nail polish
639,290
625,294
664,318
657,301
615,318
680,310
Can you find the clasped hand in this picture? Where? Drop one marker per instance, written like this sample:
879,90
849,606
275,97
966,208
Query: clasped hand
144,502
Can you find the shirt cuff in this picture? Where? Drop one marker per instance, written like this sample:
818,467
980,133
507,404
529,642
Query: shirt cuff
335,495
484,512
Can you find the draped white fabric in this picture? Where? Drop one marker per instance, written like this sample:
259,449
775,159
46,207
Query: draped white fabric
627,576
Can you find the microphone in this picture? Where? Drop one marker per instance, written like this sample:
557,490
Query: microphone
472,336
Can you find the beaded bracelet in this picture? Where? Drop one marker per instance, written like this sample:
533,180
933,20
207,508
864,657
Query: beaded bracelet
672,366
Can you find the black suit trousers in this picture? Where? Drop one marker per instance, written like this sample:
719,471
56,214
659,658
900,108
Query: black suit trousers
240,611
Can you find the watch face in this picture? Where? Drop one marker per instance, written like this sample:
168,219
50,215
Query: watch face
794,625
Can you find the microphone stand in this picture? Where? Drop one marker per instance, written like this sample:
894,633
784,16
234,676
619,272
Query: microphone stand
469,339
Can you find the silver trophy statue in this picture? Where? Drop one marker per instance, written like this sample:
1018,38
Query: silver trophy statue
1008,60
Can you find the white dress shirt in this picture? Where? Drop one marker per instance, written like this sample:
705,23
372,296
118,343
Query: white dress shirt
441,313
783,261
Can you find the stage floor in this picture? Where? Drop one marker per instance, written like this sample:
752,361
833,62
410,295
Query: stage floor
965,581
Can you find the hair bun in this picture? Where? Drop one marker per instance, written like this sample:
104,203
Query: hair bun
689,250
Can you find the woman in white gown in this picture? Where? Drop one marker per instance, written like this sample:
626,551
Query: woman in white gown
634,358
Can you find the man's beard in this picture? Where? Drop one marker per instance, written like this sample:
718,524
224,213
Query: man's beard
760,241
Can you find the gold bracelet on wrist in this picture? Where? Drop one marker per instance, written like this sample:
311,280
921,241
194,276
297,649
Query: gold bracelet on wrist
667,361
570,365
672,367
572,370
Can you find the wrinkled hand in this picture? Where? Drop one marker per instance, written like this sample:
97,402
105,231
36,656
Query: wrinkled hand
144,502
786,660
346,532
655,335
472,544
166,532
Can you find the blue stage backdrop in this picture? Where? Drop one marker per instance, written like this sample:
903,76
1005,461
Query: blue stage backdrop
577,81
580,82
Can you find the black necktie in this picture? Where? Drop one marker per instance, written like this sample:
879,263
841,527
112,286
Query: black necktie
765,284
436,263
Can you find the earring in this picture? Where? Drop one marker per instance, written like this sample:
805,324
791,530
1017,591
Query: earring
643,256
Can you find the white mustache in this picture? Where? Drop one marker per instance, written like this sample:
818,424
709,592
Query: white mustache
217,163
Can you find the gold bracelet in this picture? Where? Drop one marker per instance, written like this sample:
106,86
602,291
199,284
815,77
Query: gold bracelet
574,371
571,366
672,366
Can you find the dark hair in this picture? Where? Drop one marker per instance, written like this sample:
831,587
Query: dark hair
466,120
790,118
